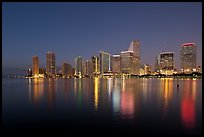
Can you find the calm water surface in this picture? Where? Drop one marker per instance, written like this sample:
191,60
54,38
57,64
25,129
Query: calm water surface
137,106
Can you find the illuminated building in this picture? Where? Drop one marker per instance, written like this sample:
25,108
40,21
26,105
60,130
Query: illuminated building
147,69
95,61
156,67
105,62
73,71
70,73
83,68
35,69
29,73
188,57
135,48
116,63
42,70
129,63
166,63
50,64
78,66
65,69
89,68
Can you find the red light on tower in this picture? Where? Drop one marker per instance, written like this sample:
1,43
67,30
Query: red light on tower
188,44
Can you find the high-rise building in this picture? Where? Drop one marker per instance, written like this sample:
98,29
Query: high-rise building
105,62
135,48
116,63
78,66
188,57
29,72
65,70
147,69
35,66
156,67
89,68
73,71
95,61
129,63
42,72
126,62
50,64
70,74
166,63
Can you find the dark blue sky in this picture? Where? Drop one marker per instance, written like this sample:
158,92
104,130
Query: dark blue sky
72,29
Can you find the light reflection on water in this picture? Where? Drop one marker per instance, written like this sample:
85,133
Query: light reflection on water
123,94
124,99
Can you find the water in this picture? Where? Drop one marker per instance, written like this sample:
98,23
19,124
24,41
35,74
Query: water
129,106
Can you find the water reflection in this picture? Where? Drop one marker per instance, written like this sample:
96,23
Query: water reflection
51,92
188,104
78,92
123,97
116,96
96,85
37,90
127,100
167,93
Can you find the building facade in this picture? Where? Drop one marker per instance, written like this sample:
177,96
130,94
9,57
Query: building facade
126,63
89,68
105,62
96,64
166,63
135,48
116,64
35,67
78,66
65,70
188,57
50,64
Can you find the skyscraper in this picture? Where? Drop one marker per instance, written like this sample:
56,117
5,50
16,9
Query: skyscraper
89,68
116,63
95,61
35,68
188,57
65,69
126,62
50,64
105,62
166,63
147,69
78,66
70,71
135,48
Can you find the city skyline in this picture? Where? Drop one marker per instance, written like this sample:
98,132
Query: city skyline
87,38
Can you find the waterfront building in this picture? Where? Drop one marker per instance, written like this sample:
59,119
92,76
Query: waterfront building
116,63
89,68
78,66
105,62
96,64
166,63
135,48
188,57
65,70
50,65
35,67
29,72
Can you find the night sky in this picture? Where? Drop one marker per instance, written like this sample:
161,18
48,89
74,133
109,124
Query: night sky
73,29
